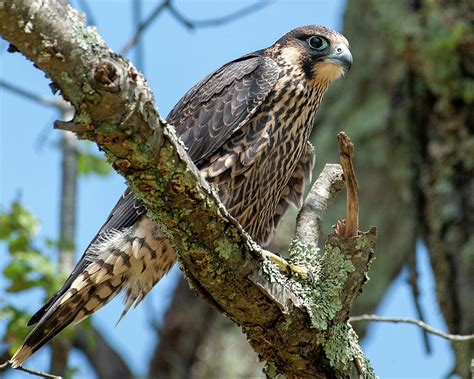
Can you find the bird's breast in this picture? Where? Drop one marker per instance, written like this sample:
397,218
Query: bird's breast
253,169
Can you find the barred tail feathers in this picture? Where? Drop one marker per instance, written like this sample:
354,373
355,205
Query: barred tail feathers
133,261
72,307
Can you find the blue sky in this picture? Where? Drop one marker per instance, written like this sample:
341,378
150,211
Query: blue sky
175,59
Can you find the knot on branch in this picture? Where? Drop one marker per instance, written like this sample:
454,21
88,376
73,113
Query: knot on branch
106,76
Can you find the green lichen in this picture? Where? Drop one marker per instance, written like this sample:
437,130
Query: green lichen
86,36
65,78
105,128
325,301
341,348
83,118
271,371
362,242
225,248
338,347
89,93
304,255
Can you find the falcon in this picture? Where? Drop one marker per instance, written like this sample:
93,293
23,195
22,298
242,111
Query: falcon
246,127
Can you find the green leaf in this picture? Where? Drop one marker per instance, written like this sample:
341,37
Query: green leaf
89,163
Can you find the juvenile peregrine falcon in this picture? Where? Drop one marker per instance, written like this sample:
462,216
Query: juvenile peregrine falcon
246,127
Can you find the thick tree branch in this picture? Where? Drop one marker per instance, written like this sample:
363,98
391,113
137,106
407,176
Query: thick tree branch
299,327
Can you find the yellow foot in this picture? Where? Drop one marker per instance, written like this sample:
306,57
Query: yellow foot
287,267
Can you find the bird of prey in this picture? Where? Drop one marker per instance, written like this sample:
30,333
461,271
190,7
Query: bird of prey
246,127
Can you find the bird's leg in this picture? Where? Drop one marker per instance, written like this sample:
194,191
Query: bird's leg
287,267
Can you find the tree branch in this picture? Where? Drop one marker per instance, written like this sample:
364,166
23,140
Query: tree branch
193,24
32,372
297,326
419,323
133,40
309,221
50,102
350,227
187,23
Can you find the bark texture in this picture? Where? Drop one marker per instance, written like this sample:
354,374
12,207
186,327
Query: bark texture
290,322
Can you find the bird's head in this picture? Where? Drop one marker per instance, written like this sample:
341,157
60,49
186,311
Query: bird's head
321,53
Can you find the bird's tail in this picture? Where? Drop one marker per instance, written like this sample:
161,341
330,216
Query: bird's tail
72,307
132,260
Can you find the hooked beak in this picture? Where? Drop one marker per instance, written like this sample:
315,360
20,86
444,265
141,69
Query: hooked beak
341,56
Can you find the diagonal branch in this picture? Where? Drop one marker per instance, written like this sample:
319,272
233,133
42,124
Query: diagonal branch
297,326
143,26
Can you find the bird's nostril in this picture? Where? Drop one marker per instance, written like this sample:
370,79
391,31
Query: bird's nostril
339,50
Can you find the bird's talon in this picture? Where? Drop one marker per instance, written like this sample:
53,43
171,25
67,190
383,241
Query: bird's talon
287,267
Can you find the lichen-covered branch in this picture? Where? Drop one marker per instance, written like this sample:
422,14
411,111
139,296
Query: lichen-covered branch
298,326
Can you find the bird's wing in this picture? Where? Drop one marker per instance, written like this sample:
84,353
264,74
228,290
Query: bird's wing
221,103
125,214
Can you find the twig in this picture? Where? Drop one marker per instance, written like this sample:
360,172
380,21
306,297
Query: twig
421,324
186,22
38,373
32,372
30,95
309,220
143,26
351,226
193,24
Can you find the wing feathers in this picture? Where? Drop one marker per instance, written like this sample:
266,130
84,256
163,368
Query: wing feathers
207,116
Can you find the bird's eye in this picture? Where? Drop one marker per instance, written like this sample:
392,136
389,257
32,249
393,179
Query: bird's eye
317,43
